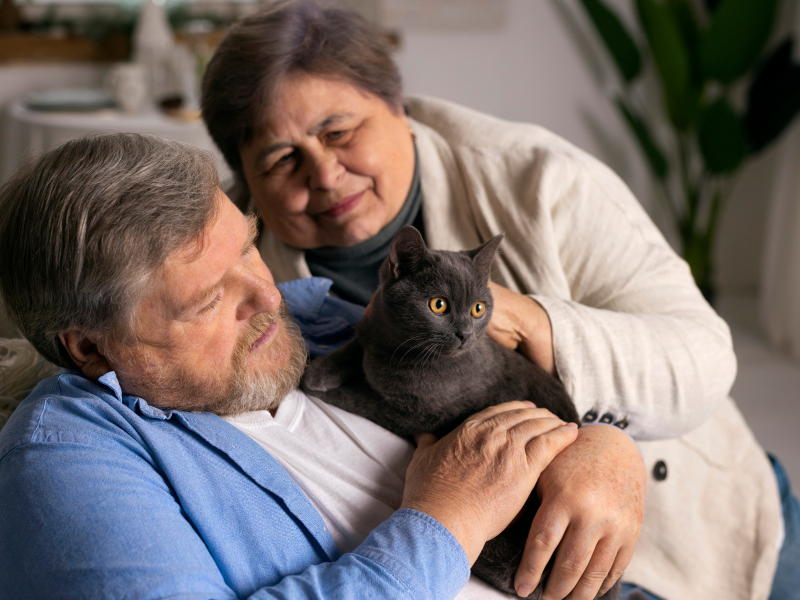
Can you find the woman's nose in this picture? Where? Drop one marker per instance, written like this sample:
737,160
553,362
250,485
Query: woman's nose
326,170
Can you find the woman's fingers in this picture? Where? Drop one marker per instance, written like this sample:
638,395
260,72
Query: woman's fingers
581,570
518,321
547,531
621,562
424,440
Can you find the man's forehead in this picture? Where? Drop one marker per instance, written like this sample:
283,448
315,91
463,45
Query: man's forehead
203,262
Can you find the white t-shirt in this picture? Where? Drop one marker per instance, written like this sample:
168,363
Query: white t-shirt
351,470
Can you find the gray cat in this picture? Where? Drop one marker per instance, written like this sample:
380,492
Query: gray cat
422,363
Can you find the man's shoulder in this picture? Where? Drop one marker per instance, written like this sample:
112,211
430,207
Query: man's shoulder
65,408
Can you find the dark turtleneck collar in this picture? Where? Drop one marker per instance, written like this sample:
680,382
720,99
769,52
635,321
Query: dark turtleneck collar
354,270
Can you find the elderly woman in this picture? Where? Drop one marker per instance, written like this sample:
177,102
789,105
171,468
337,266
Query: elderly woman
306,105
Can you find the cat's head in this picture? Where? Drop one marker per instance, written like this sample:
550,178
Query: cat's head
434,293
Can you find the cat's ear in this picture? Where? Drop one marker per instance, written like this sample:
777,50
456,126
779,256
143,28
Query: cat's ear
408,248
483,255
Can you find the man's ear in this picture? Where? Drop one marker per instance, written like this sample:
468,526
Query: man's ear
83,350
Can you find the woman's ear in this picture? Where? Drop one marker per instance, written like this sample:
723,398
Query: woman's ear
83,350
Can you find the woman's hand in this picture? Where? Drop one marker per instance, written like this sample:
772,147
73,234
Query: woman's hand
477,478
592,507
519,321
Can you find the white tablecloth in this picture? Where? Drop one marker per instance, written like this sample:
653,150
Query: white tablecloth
29,132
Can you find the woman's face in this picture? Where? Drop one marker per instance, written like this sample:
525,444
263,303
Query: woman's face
332,166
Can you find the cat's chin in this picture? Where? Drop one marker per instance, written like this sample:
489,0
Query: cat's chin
457,349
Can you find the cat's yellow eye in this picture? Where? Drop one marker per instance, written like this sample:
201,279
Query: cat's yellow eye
478,309
438,305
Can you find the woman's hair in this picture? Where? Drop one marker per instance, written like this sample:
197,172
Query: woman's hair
84,227
289,36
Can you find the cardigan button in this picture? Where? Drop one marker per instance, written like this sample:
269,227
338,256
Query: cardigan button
590,417
660,471
622,424
607,418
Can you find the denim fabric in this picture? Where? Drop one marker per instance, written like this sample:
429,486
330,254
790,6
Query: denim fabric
632,592
327,323
105,496
786,585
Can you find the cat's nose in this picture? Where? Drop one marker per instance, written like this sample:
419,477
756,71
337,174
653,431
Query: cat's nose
463,336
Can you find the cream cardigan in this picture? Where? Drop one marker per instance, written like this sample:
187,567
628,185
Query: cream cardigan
633,338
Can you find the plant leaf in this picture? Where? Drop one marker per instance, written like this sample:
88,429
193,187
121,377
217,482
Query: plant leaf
618,41
773,100
736,36
655,157
690,33
669,53
722,138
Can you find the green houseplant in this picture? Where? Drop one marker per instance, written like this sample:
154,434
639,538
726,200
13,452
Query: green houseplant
705,55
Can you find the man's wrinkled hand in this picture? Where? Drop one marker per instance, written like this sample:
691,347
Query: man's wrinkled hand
476,479
591,514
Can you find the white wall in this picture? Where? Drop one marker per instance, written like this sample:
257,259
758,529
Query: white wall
537,69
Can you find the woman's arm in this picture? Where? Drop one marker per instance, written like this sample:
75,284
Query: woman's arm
635,340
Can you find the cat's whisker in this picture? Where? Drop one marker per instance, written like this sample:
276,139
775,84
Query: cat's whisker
433,355
419,359
409,350
429,354
426,354
413,337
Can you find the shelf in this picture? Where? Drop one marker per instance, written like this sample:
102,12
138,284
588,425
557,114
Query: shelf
29,48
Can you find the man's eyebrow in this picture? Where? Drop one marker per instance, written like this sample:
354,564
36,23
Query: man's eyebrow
207,294
327,122
252,233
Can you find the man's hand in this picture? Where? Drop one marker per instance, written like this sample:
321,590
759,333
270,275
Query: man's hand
518,321
592,507
477,478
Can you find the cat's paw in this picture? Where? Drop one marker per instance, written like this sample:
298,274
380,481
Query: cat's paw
318,378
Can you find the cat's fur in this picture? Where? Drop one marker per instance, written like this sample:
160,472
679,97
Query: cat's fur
413,371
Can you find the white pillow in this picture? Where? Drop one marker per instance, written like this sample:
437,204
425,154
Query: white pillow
21,368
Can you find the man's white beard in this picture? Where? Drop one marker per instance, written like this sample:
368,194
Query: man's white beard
238,390
265,391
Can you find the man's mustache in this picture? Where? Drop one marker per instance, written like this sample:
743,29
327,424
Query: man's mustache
256,327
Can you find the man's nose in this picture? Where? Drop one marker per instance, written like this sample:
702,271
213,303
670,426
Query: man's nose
261,295
326,170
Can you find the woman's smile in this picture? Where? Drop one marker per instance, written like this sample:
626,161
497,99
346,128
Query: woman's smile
343,206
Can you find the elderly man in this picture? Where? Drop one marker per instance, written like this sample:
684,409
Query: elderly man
125,263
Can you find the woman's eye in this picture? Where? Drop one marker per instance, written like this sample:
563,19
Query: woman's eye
438,305
343,136
478,309
282,161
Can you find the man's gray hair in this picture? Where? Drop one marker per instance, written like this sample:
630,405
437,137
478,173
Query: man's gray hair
85,226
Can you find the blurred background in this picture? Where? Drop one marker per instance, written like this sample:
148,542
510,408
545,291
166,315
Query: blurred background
691,102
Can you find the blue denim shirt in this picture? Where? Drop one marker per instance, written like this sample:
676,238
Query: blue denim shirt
327,323
105,496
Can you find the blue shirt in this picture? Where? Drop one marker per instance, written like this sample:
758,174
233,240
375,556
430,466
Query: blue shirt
105,496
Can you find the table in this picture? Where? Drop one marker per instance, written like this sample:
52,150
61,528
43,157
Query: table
29,132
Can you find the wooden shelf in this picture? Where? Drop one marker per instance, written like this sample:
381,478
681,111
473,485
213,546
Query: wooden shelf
29,48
